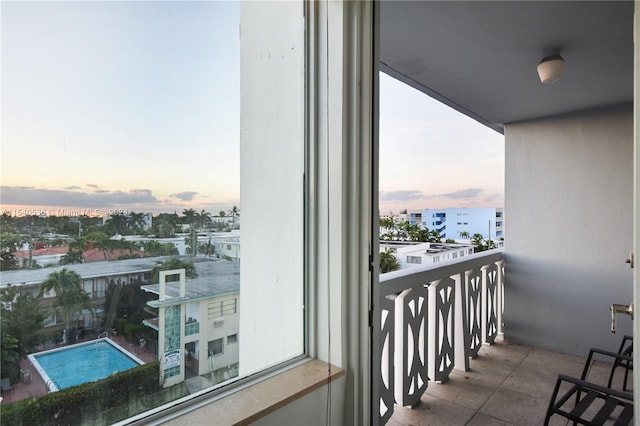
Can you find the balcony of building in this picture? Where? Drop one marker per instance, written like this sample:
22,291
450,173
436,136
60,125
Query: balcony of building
443,357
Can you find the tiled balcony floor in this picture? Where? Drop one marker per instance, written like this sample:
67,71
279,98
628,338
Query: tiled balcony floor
507,384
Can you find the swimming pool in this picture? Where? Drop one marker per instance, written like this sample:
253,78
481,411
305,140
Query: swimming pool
73,365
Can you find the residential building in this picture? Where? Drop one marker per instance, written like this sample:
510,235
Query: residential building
415,218
415,255
201,318
451,223
96,277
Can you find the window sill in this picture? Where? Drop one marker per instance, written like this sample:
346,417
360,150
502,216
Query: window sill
257,400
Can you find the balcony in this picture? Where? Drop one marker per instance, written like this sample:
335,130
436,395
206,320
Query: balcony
442,355
507,384
191,328
432,322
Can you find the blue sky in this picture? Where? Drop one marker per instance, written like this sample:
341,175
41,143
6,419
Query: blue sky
431,156
121,105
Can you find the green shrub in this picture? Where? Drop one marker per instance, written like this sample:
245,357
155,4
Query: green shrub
130,330
78,404
120,326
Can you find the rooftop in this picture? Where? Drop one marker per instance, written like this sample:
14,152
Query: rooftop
215,278
85,270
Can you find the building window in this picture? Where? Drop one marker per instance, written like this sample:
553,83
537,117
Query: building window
228,246
414,259
233,338
436,259
454,255
88,287
216,347
222,308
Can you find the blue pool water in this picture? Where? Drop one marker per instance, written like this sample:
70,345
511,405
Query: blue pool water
86,362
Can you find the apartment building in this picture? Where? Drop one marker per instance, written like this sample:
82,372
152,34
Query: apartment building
451,223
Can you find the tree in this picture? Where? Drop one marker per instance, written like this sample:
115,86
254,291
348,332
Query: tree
156,248
464,234
189,216
481,243
174,263
164,225
207,249
8,261
116,224
203,219
136,222
192,242
75,252
71,298
388,262
235,214
24,318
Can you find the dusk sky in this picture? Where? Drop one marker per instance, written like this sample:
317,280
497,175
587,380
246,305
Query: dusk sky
135,106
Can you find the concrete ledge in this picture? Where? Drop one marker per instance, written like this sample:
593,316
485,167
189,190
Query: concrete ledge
256,401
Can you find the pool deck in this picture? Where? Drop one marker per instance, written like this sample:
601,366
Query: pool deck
37,387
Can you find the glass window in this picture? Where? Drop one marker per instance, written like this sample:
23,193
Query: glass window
216,347
135,161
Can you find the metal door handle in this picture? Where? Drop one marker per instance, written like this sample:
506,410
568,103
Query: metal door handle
616,309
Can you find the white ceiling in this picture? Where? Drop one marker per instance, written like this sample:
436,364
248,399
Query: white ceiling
480,57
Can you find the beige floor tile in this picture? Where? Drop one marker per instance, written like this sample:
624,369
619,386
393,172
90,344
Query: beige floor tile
516,407
485,420
507,353
544,363
433,412
464,390
531,383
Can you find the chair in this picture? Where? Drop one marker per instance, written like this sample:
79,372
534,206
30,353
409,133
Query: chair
594,404
626,349
5,385
25,376
608,403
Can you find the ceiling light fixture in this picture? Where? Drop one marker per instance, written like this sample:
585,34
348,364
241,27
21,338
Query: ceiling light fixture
550,68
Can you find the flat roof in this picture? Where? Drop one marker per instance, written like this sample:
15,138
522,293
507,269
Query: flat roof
215,278
85,270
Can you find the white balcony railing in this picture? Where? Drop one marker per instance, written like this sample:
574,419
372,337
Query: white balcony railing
433,320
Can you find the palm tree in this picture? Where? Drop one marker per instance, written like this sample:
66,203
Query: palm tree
136,221
71,298
388,262
189,216
116,224
75,252
478,241
235,214
165,224
203,219
464,234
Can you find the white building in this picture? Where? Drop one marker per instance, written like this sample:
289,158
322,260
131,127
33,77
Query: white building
198,322
412,255
450,223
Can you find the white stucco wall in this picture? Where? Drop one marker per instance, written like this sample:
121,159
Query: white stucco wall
569,197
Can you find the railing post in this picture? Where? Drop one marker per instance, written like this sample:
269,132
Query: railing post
411,346
442,296
461,331
386,352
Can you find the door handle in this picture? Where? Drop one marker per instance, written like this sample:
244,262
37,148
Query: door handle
630,260
622,309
